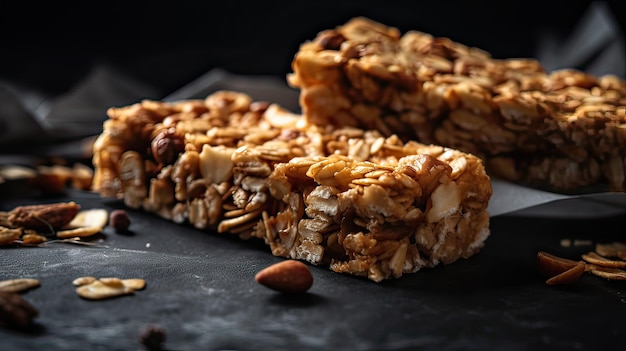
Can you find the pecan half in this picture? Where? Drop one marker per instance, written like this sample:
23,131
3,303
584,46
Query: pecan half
45,216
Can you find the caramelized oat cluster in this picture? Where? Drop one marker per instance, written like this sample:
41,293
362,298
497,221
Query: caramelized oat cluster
562,130
353,199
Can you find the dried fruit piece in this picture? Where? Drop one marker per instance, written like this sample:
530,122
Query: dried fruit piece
18,285
570,276
16,312
551,265
289,276
593,257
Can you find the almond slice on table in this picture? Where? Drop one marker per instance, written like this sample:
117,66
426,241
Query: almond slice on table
607,272
614,249
595,258
18,285
86,223
107,287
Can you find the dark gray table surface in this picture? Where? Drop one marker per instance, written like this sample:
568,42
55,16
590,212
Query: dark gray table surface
201,292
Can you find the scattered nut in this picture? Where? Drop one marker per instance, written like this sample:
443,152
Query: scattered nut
134,283
8,235
551,265
78,232
15,312
119,220
593,257
18,285
608,272
82,176
289,276
94,217
53,179
104,288
570,276
43,217
599,263
615,249
83,280
33,239
152,338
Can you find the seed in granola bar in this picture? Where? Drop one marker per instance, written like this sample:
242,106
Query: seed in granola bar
119,220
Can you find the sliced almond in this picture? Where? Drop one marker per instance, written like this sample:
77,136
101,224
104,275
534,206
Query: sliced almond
18,285
78,232
95,217
83,280
614,249
98,290
609,272
550,265
593,257
134,283
570,276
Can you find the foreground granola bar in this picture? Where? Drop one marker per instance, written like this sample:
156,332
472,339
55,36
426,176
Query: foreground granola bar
354,200
562,130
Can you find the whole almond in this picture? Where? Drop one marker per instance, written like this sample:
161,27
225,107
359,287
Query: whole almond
289,276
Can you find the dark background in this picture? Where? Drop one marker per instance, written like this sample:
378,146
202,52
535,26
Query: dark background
166,44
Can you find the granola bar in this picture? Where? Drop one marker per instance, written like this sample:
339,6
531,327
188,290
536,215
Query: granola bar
561,130
352,199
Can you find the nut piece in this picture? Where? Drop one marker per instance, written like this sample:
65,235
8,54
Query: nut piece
119,220
153,337
290,276
107,287
593,257
15,312
83,280
18,285
94,217
550,265
570,276
44,217
607,272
